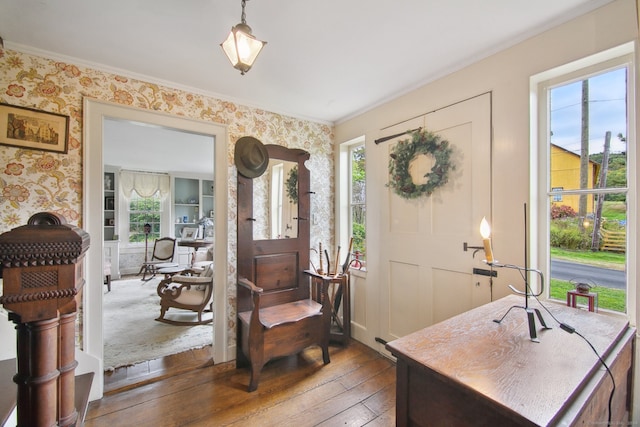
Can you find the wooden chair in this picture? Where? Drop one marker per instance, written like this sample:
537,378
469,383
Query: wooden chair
187,292
277,313
163,253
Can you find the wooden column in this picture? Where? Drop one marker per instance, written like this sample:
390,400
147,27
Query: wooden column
37,377
68,414
41,267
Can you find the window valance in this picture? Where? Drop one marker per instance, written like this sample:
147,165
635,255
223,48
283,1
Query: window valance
145,184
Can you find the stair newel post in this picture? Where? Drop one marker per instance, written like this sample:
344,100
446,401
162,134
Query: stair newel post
41,268
67,367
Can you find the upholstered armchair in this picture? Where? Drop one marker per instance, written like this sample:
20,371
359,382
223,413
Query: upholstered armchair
187,291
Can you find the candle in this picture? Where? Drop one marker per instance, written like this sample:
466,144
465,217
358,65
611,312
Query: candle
485,232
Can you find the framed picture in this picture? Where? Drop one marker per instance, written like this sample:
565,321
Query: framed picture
34,129
189,233
109,203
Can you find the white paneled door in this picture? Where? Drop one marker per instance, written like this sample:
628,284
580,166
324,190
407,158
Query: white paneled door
426,276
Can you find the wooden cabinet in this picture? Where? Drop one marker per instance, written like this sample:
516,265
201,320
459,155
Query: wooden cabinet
469,370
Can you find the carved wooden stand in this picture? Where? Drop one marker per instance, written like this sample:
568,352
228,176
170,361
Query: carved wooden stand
340,325
41,266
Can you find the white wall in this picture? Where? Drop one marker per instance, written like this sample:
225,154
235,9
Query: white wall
506,74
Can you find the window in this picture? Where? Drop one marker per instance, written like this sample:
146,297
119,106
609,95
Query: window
585,184
352,196
144,210
357,197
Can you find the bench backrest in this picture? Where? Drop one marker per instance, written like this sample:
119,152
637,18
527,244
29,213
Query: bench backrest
275,265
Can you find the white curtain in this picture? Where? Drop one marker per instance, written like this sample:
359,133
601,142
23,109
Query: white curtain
146,184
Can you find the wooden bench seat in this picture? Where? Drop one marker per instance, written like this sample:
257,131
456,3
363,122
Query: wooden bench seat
285,313
280,310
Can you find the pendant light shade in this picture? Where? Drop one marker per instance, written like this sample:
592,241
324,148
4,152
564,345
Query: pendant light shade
241,47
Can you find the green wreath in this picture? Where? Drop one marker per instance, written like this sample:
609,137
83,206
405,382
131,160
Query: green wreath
421,142
292,185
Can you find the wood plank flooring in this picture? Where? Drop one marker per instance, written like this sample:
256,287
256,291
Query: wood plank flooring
356,389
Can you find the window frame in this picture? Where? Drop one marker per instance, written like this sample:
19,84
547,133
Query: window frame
136,196
344,187
124,221
541,193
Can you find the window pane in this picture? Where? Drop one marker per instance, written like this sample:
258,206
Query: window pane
358,175
358,228
578,147
358,204
590,251
587,152
144,211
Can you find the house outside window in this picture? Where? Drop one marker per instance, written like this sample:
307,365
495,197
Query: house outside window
557,194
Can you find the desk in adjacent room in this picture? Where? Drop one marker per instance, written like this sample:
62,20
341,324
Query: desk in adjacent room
469,370
195,244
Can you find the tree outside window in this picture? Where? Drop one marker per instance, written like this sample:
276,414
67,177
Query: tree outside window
144,210
358,200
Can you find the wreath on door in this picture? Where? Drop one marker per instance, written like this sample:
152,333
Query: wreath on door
404,152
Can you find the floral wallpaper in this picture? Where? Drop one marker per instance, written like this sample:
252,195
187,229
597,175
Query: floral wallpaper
33,181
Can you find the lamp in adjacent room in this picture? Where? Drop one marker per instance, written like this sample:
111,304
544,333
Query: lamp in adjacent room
241,47
147,230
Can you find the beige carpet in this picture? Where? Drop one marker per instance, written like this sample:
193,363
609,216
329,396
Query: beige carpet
131,335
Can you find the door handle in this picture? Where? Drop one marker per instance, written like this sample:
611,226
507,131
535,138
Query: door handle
485,272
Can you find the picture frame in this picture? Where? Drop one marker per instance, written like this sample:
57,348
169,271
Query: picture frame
109,203
33,129
189,233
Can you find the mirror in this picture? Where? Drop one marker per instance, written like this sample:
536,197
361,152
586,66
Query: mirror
275,201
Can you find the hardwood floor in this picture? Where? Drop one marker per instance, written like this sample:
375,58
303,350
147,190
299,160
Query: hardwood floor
129,377
357,388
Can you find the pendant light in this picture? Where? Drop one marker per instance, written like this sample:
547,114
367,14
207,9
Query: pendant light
241,47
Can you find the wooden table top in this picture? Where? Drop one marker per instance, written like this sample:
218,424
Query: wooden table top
195,243
500,362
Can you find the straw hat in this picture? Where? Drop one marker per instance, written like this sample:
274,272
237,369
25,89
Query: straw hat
251,157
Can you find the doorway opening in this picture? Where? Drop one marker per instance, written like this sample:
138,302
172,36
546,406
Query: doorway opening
96,114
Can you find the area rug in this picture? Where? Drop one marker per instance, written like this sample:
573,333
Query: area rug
131,335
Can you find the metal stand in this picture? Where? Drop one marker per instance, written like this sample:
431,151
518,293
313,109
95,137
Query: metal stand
146,268
530,311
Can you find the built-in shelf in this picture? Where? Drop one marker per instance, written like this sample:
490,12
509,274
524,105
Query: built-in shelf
192,200
111,246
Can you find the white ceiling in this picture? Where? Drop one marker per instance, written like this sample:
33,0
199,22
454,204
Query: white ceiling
325,60
144,147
